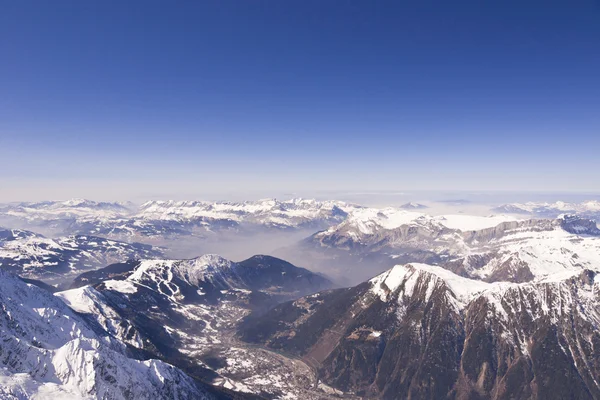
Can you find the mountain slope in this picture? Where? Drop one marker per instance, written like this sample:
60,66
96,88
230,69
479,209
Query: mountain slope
419,331
48,351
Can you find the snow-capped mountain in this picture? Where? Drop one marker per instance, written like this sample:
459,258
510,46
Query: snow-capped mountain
366,226
528,250
293,213
183,311
421,331
57,212
75,216
588,209
34,256
49,351
371,240
68,208
169,218
494,248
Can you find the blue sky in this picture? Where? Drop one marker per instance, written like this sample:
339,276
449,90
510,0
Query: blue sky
177,99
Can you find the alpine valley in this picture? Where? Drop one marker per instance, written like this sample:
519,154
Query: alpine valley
392,303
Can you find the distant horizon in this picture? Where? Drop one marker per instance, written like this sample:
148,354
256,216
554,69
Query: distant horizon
416,196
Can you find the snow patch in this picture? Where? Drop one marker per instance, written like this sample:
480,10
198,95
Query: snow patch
121,286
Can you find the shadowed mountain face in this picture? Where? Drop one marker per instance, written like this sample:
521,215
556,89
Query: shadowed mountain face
273,274
422,332
117,271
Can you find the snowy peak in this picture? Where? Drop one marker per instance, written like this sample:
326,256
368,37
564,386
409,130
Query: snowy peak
413,206
407,280
364,223
422,279
556,297
84,203
24,307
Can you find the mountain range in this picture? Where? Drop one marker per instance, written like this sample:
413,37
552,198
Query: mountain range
494,248
588,209
447,306
165,218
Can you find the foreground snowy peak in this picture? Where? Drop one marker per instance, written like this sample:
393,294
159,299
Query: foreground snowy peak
406,280
48,351
419,331
423,279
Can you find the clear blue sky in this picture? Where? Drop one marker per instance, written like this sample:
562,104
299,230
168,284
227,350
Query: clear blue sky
162,97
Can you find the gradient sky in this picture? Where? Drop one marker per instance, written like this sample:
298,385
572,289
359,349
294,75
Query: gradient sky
124,99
